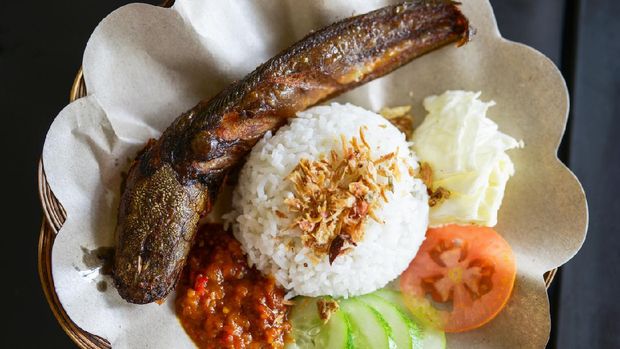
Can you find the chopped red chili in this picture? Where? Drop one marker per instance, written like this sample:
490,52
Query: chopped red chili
201,284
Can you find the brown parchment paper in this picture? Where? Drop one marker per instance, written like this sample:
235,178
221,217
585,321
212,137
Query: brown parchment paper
145,65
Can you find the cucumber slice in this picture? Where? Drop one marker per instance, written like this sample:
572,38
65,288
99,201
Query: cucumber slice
431,338
406,334
369,328
393,297
336,334
309,331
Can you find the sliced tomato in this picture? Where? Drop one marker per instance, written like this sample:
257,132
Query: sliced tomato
461,277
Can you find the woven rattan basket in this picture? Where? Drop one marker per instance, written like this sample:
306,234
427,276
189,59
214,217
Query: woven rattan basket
54,217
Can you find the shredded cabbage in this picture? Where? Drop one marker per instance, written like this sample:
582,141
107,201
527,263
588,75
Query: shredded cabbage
467,154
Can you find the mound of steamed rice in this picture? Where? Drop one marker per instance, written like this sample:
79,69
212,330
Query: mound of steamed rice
275,248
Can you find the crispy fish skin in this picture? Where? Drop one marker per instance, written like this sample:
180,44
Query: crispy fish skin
176,179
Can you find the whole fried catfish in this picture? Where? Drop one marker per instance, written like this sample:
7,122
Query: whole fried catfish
176,179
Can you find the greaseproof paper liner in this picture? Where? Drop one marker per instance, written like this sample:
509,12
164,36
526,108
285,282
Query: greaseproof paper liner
145,65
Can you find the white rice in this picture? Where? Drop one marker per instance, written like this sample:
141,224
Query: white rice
276,249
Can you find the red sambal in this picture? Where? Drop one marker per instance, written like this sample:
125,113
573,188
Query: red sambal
223,303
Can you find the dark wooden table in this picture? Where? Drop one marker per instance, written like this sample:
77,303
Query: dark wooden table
41,47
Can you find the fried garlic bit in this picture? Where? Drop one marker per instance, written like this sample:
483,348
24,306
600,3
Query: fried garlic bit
399,117
333,197
326,308
436,195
